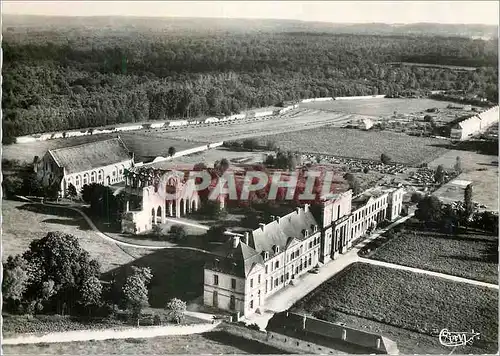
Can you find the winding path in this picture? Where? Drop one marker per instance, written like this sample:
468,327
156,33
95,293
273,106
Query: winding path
110,239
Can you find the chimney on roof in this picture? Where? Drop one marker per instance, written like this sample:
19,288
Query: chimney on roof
236,241
298,210
247,237
306,208
262,226
273,217
278,219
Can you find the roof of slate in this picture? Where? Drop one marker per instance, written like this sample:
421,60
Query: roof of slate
237,260
278,232
240,260
91,155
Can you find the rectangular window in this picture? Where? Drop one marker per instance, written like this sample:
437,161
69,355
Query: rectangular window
282,278
266,269
216,279
251,283
233,283
277,264
251,304
266,286
276,281
258,279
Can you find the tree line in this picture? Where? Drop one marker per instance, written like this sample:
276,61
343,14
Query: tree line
50,85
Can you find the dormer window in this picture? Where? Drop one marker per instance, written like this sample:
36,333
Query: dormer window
306,233
266,255
276,249
216,262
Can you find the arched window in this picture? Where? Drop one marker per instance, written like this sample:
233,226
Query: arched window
93,177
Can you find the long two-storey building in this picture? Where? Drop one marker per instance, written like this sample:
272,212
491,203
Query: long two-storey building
251,268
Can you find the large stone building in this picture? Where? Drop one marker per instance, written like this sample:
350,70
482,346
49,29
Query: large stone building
253,267
154,195
101,162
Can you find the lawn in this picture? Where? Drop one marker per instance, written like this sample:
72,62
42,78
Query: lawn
415,302
473,256
215,342
360,144
25,222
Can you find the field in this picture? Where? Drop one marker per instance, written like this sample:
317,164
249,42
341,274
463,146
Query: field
470,256
214,343
414,302
25,222
376,107
143,145
481,170
360,144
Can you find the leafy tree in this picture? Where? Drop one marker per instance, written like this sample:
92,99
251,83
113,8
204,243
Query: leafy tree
178,232
216,233
89,191
12,186
15,281
469,209
429,209
157,230
416,197
59,258
176,309
171,151
135,291
90,293
458,165
71,193
385,159
439,174
250,144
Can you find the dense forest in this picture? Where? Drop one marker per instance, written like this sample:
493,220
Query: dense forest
62,78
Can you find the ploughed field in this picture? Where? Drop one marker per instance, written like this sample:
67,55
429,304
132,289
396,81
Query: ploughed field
472,256
376,107
415,302
356,143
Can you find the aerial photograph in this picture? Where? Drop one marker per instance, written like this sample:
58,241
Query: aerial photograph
250,177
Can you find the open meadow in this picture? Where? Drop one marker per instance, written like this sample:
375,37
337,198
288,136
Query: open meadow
25,222
360,144
468,255
414,302
212,343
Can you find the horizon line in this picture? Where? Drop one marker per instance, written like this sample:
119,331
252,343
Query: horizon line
253,19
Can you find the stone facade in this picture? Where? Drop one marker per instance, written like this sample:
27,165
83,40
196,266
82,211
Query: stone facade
102,162
158,195
270,257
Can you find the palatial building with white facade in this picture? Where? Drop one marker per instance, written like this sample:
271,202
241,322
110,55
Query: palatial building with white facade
102,162
253,267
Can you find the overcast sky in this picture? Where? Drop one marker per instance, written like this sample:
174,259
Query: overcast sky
480,12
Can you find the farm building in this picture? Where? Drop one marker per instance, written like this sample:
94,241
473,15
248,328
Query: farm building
476,124
211,120
101,162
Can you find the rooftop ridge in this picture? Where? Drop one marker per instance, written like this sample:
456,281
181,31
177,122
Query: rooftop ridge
89,143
